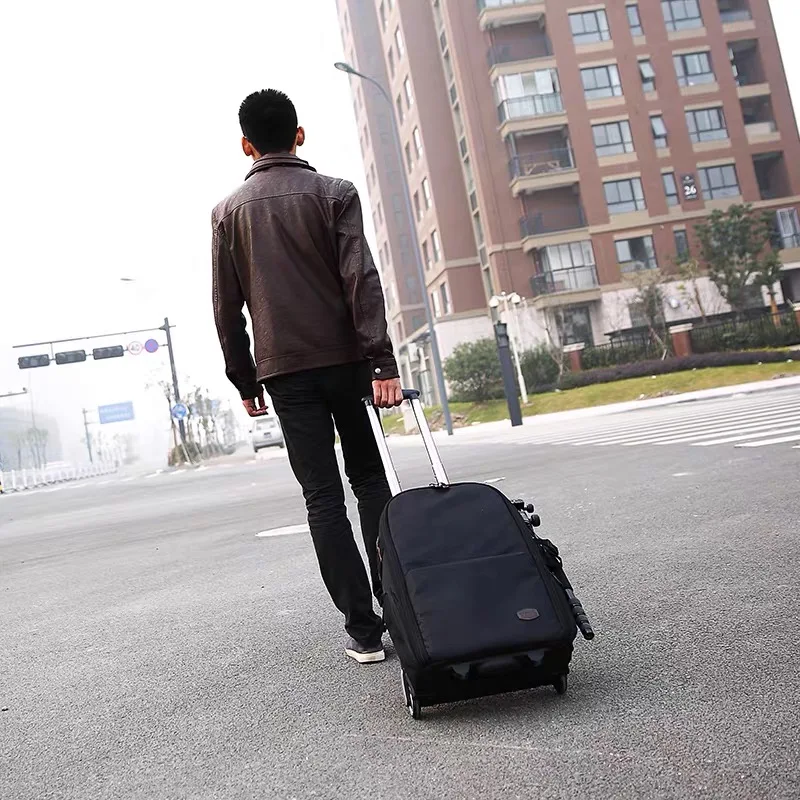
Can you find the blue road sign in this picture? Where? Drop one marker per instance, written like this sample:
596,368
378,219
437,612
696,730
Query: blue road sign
179,411
151,345
119,412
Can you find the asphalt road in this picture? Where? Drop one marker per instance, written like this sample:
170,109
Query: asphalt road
154,647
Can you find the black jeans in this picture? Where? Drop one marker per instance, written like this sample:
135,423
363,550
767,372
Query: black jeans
308,404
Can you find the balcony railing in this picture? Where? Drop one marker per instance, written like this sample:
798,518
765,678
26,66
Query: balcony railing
523,50
572,279
552,220
545,162
482,4
534,105
761,128
736,15
784,241
638,265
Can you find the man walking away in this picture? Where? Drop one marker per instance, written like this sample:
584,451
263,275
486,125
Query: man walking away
290,243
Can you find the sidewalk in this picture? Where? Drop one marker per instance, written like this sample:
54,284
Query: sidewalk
619,408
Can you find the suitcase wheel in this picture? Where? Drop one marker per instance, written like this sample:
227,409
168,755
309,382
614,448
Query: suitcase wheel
412,704
560,684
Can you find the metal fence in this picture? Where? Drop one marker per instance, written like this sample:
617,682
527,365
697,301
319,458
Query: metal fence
617,353
779,330
18,480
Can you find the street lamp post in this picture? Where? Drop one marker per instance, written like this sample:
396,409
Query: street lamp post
510,303
435,353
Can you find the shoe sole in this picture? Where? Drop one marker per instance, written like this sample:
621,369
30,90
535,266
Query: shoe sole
366,658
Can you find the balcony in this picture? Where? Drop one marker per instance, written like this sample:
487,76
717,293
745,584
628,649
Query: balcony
772,175
529,49
499,13
542,170
572,279
733,12
551,220
531,107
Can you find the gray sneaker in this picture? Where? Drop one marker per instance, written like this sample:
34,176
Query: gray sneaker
365,654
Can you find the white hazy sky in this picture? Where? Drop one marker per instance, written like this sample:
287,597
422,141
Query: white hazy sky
119,135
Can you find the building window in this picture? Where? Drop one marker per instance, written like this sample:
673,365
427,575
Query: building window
400,44
719,182
633,20
574,325
601,82
426,255
380,213
706,125
612,138
680,15
648,75
446,304
407,91
417,136
681,245
569,266
417,206
589,26
437,304
694,69
529,94
659,131
426,193
624,196
383,16
386,253
400,112
671,189
400,334
437,246
390,59
788,225
409,161
373,175
635,255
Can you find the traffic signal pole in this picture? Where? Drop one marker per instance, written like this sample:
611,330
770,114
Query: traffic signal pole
88,435
176,390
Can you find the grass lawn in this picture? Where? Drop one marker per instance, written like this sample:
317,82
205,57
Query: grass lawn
465,414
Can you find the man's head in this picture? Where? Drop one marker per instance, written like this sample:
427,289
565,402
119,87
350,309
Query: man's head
269,124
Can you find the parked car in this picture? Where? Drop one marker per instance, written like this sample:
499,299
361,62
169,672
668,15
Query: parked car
267,433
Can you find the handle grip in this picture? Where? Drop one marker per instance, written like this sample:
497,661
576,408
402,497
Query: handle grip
581,617
408,394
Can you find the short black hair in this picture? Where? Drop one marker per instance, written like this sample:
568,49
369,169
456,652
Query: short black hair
269,121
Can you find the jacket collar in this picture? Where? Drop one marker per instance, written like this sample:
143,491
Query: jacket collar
278,160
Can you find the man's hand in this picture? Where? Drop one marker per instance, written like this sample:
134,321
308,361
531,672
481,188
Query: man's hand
256,407
387,394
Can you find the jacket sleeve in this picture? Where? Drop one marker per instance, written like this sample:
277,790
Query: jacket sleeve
362,287
231,324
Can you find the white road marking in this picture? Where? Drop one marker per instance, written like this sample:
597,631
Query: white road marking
494,480
741,437
290,530
781,440
155,474
681,474
127,480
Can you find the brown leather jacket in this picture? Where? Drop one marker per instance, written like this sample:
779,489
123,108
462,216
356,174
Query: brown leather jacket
290,244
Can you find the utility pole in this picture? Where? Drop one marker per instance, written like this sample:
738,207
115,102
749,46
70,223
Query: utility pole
88,435
13,394
181,424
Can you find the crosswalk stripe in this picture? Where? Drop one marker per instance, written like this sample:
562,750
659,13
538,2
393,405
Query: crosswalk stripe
713,430
678,422
741,437
678,425
781,440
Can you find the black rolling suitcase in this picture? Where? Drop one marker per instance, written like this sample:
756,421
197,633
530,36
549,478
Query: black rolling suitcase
475,602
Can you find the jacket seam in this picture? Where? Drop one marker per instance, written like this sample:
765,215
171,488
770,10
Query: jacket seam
273,196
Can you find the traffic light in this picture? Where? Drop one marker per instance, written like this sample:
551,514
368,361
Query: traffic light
108,352
71,357
29,362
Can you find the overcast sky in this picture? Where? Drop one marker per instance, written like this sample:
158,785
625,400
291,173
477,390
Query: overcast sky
119,135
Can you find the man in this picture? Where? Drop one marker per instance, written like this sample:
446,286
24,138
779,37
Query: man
290,243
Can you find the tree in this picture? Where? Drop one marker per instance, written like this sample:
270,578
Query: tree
649,296
474,371
736,246
690,272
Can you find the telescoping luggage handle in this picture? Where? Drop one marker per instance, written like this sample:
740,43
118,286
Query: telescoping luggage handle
412,395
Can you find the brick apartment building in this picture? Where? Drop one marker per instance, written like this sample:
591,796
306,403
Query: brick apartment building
554,147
